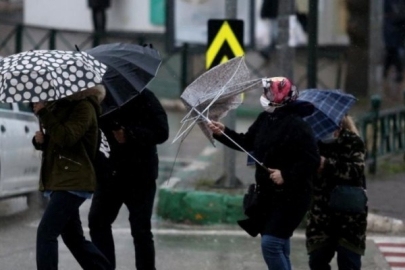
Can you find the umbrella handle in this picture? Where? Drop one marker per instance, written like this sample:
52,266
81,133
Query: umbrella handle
240,147
41,127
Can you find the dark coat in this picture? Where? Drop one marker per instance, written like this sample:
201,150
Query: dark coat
344,164
269,9
70,145
281,140
394,23
99,4
145,123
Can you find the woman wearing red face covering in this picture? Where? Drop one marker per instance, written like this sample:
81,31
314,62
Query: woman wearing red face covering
284,143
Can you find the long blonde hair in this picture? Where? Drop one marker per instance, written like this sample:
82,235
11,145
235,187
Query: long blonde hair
348,123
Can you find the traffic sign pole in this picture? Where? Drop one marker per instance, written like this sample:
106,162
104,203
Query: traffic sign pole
225,41
230,179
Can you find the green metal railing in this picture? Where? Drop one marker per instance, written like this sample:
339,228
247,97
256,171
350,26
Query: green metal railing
176,65
383,132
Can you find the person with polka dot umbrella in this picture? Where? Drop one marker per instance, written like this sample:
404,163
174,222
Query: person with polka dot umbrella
47,75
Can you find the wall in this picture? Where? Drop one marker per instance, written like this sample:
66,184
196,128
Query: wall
123,15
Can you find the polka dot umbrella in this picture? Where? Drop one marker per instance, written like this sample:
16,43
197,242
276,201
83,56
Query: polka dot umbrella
44,75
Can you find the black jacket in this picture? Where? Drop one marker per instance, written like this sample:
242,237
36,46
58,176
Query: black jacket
99,4
269,9
145,123
282,141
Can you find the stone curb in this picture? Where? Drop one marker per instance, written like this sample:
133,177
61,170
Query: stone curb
187,205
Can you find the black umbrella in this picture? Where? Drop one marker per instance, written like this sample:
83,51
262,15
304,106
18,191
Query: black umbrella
44,75
130,68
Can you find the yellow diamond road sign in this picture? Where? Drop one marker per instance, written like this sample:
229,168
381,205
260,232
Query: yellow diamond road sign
225,41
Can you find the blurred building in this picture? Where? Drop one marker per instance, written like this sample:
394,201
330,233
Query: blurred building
149,16
123,15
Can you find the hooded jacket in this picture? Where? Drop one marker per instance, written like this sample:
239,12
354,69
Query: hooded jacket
71,134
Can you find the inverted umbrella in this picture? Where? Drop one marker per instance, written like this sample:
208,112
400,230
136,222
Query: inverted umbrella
45,75
330,108
214,93
130,68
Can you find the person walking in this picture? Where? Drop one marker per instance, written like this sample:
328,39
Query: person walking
133,132
331,231
69,144
269,11
394,37
284,143
98,9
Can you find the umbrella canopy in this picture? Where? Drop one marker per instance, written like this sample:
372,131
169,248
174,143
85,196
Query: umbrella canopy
130,68
44,75
330,107
214,93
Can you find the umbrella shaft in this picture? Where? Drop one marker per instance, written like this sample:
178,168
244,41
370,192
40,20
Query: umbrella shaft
240,147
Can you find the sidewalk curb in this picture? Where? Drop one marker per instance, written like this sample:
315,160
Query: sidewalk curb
383,224
190,206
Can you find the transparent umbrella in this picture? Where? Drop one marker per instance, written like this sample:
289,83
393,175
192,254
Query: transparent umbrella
214,93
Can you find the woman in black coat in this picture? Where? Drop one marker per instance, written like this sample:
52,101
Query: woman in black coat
284,143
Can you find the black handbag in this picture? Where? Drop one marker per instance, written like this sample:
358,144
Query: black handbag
348,199
251,206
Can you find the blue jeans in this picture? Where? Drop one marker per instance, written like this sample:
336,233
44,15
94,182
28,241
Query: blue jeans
347,260
276,252
61,217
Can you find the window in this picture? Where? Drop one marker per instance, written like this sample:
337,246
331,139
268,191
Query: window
5,106
24,107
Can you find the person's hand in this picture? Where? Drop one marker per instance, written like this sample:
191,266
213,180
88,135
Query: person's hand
216,127
321,165
120,135
37,106
276,177
39,137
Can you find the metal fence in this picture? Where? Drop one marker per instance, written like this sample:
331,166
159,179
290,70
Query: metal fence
383,132
178,68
